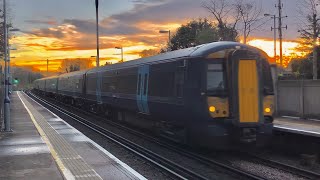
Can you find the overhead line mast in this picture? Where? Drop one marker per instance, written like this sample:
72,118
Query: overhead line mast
280,5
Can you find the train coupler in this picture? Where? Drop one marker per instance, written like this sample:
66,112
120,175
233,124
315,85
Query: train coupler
248,135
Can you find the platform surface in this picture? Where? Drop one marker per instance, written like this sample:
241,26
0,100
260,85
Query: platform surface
43,146
309,127
23,153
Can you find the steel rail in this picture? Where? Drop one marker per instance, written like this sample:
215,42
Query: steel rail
191,155
285,167
163,163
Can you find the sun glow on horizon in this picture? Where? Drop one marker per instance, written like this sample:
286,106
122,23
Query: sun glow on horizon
33,51
288,47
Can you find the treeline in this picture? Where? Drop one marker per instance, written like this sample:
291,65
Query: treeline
25,77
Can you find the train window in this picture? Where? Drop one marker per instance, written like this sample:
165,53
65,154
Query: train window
215,78
127,84
179,80
161,84
220,54
214,67
267,78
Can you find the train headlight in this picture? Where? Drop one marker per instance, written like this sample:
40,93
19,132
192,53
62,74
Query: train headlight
267,110
212,109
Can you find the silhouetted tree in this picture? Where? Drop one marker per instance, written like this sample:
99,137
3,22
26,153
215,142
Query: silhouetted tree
25,77
250,16
303,66
226,16
107,63
148,53
77,64
194,33
310,28
74,67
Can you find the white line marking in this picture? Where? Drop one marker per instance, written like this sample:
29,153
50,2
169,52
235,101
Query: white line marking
298,130
124,165
294,117
65,171
291,117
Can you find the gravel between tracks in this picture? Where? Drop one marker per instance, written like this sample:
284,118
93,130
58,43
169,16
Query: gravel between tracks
262,170
148,169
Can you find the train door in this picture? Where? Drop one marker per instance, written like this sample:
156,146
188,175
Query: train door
142,89
246,98
98,87
248,91
84,85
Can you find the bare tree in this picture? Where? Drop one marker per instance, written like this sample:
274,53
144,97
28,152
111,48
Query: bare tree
250,17
226,17
310,27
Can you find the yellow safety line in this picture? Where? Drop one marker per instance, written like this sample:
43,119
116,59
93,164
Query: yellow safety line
65,171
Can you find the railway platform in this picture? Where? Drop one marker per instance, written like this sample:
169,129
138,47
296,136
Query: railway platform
43,146
298,126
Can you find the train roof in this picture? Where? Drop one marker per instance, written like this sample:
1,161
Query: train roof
63,75
198,51
75,73
46,78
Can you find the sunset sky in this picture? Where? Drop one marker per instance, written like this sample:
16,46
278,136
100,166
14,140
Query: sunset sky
65,29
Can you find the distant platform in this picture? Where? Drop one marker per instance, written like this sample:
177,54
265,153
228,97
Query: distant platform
43,146
308,127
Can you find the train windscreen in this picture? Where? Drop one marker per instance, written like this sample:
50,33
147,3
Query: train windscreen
267,78
215,79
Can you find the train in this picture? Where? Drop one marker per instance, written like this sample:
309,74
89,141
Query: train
215,95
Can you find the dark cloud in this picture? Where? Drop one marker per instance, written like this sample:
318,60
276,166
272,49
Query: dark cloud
81,34
167,11
48,22
126,23
86,26
46,33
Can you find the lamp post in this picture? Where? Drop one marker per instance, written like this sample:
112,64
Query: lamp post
274,34
9,70
166,31
121,52
9,58
97,28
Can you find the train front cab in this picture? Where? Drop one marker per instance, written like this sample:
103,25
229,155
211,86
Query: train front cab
241,103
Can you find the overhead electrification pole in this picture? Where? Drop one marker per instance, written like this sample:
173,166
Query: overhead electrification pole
280,29
6,76
315,53
274,29
274,38
97,24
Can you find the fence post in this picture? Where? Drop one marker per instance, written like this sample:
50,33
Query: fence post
302,99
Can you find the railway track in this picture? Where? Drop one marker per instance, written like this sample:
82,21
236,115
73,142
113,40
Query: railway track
167,165
284,167
203,159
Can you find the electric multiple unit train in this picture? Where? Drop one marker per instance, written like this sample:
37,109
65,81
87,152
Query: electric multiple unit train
212,95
